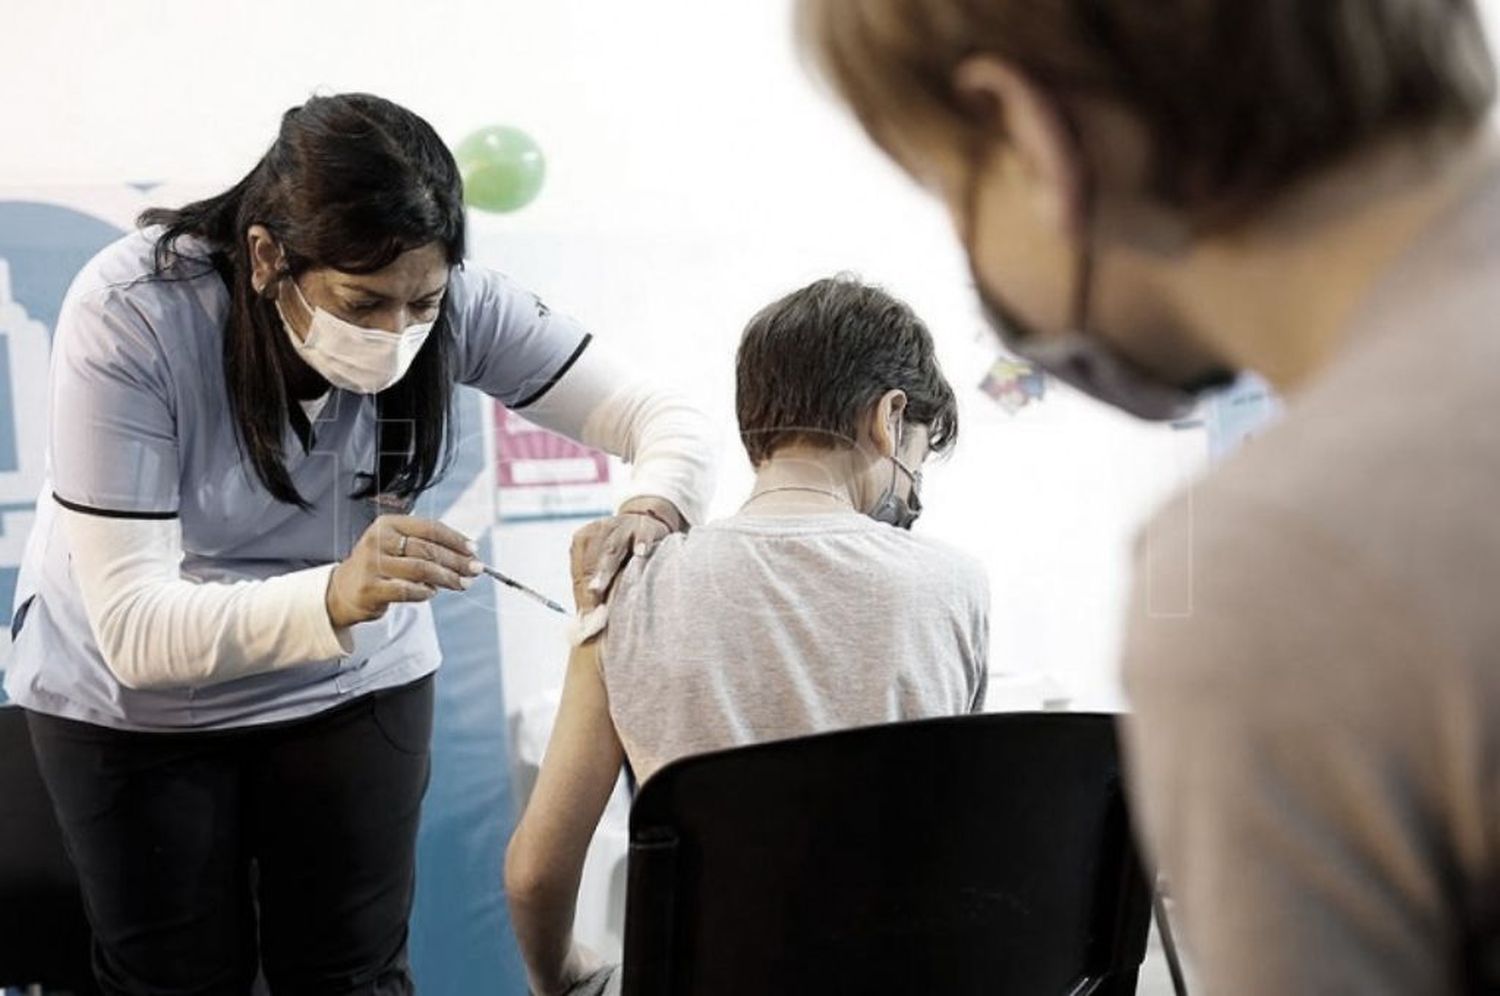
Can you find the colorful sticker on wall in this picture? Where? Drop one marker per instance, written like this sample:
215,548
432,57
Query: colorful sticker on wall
543,475
1013,385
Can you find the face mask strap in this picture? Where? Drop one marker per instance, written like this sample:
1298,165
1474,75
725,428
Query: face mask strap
285,276
307,307
913,501
890,508
1083,278
900,438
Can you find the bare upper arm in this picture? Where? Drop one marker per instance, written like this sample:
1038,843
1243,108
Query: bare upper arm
578,775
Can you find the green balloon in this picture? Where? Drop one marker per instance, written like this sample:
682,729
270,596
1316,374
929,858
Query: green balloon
502,168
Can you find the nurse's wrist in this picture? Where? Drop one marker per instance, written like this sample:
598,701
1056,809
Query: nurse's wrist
338,608
326,636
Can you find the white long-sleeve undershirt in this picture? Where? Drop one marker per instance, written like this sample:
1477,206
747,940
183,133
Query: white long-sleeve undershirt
157,629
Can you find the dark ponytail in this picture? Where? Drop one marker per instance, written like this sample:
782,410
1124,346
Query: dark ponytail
351,182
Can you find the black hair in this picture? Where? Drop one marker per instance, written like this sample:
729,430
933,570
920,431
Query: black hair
812,364
352,182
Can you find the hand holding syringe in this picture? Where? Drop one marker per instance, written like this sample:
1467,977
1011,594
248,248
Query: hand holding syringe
405,558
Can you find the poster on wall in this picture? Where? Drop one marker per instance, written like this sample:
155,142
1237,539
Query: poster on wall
541,475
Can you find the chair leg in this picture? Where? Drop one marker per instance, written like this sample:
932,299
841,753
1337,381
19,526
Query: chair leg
1168,942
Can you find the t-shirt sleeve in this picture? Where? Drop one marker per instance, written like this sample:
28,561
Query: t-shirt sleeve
510,344
957,587
113,434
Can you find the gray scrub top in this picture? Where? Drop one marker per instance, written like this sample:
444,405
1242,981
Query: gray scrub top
140,425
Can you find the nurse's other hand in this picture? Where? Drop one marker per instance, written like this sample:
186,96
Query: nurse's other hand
601,549
400,558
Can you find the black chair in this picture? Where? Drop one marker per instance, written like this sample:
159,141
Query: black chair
44,937
984,854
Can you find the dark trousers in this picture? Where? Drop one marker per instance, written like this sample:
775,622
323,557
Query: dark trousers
164,829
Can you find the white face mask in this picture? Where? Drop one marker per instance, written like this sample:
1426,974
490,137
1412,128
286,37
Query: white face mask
366,361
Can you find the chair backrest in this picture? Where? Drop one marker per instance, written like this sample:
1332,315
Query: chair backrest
984,854
44,936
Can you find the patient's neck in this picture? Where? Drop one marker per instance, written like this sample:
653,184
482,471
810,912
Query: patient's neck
804,480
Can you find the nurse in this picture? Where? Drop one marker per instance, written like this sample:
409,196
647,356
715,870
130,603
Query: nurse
223,640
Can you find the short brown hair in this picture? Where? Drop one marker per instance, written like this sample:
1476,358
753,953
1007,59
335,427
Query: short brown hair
1240,98
812,364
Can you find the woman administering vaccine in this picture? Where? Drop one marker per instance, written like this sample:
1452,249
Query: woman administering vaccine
223,644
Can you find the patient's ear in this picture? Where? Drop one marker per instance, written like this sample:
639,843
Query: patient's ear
883,424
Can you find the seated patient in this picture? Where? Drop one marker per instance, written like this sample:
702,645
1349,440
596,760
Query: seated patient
813,608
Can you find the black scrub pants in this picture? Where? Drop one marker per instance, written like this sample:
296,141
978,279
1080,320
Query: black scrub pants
164,829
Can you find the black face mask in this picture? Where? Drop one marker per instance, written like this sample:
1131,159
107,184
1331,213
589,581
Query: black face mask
1085,361
894,510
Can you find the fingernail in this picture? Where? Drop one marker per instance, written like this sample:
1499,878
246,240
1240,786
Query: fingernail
465,583
473,547
597,583
640,549
475,567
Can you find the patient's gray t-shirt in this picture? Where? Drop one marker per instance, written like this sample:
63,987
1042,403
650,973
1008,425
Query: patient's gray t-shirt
759,628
